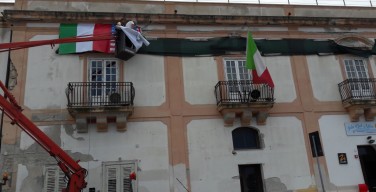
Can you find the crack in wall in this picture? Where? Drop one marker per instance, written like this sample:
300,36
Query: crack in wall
34,158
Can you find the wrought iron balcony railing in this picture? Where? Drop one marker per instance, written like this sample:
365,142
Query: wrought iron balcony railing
98,94
243,92
358,90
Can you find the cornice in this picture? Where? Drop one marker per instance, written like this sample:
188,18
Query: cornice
26,16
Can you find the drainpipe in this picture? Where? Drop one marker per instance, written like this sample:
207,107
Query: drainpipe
6,85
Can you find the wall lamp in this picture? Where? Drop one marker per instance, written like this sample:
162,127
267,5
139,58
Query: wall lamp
5,178
370,140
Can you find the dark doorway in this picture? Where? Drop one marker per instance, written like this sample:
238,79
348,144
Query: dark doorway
251,178
367,156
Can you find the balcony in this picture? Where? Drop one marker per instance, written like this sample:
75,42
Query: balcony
243,99
100,103
359,97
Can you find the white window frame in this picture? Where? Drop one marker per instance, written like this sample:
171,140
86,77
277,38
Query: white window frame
54,179
119,167
356,73
105,72
104,60
352,72
236,92
237,62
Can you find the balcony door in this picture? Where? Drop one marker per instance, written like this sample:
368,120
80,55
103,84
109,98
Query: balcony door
238,78
357,73
104,73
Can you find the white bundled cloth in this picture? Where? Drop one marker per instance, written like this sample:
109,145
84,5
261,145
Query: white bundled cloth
135,37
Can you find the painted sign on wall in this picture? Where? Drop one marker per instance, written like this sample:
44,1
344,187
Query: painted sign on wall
360,128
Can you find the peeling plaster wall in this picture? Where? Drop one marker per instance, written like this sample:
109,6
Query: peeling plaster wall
4,38
28,160
48,75
325,74
213,167
335,140
200,77
26,141
148,76
22,173
145,142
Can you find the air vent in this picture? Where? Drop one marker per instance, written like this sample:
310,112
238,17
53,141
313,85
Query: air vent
115,98
255,94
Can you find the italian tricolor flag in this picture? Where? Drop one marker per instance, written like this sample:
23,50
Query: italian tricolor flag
260,73
85,30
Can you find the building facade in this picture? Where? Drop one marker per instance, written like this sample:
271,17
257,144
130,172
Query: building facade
194,122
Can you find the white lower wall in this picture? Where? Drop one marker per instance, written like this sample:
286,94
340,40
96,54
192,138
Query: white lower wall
145,142
21,175
334,140
213,167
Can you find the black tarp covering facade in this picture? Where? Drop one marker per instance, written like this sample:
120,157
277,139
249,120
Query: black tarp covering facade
237,45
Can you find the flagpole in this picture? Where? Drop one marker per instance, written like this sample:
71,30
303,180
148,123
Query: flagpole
318,163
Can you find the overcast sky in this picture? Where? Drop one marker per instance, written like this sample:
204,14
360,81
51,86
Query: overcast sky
365,3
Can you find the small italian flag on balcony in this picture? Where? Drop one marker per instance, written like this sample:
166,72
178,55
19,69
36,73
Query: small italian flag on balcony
86,30
260,73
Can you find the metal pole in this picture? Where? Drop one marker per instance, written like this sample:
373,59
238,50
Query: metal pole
182,184
318,163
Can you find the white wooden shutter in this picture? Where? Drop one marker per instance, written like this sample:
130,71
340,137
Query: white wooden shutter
61,181
127,183
50,180
117,176
54,179
111,179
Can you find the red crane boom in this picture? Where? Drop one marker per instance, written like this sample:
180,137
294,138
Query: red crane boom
75,173
21,45
8,104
